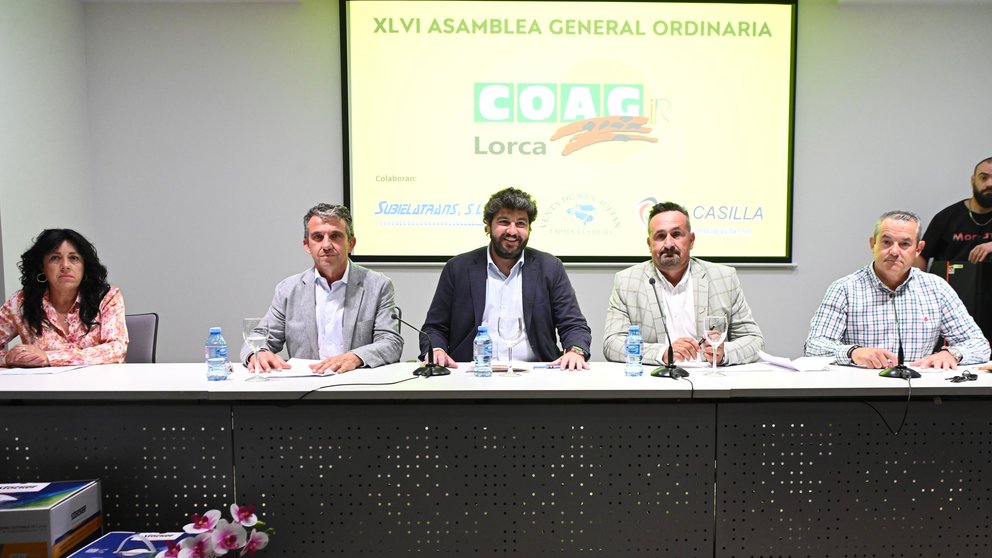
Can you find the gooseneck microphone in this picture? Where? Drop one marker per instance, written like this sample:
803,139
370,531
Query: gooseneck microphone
900,370
666,370
429,368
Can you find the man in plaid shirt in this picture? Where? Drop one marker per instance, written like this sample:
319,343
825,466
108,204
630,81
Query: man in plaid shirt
863,315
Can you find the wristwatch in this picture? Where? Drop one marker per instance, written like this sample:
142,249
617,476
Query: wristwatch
850,352
578,350
954,353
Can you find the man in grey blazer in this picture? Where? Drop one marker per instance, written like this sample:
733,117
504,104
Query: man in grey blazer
337,311
707,289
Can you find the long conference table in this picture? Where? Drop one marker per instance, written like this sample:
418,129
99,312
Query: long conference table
761,462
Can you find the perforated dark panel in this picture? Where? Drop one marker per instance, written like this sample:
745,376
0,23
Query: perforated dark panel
157,463
481,480
817,479
828,479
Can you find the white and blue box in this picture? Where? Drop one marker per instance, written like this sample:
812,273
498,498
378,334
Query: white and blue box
48,519
116,544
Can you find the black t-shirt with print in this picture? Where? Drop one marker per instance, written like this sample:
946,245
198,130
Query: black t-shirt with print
952,233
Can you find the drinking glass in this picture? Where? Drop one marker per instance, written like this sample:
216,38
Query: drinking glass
511,331
255,336
714,330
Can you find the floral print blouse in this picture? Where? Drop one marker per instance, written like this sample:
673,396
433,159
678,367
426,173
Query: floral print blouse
104,343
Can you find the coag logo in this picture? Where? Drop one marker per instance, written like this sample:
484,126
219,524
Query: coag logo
549,102
592,113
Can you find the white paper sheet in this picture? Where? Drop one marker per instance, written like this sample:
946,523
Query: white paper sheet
300,368
38,371
801,364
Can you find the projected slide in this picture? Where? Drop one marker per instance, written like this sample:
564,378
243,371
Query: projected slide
598,109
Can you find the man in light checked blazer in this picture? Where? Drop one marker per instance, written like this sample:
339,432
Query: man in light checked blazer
689,288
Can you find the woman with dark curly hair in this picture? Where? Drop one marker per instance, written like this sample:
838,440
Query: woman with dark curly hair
65,313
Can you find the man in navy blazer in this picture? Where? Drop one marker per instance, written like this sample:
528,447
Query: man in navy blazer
506,279
337,311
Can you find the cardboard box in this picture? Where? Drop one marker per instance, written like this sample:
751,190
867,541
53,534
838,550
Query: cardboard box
48,519
116,544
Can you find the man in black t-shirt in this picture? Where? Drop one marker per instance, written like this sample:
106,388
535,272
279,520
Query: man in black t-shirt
963,230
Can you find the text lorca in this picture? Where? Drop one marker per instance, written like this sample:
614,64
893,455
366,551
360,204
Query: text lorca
497,147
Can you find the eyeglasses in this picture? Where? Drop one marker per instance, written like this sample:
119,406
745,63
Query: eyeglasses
965,376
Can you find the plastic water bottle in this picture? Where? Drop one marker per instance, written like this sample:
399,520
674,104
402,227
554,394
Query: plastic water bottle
215,352
632,350
482,353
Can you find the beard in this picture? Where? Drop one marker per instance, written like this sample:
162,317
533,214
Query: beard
982,198
505,253
669,260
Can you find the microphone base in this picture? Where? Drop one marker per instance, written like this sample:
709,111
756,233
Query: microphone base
669,371
431,369
899,371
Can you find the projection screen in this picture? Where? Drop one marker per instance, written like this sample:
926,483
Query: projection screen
597,109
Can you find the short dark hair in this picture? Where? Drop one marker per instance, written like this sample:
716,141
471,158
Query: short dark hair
327,211
988,160
665,207
510,198
91,291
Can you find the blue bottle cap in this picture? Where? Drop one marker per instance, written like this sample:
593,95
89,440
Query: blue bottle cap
214,330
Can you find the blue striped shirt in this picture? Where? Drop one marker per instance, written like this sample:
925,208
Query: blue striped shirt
860,310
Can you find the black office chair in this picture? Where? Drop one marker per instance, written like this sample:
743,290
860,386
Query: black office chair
142,332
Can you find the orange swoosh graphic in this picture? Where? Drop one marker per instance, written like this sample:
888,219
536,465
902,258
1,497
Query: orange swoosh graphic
606,128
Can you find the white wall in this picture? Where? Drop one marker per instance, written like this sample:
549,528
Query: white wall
891,113
44,136
214,127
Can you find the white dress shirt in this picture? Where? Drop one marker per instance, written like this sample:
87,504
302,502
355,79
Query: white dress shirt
504,298
679,303
330,314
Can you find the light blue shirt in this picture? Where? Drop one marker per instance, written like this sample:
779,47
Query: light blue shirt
329,307
860,310
504,298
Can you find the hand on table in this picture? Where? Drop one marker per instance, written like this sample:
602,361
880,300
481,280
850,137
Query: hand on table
441,358
267,360
873,357
941,359
26,356
338,364
571,361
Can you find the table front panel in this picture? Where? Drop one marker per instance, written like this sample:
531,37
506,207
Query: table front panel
157,463
486,479
828,479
